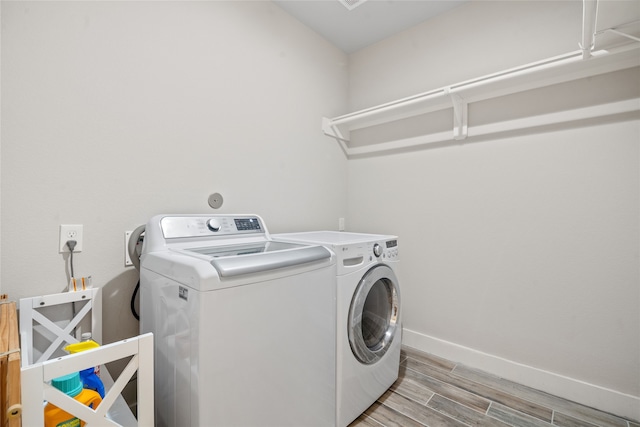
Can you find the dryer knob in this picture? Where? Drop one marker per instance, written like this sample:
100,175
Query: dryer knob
377,250
213,224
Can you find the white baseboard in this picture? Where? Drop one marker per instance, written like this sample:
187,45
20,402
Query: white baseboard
601,398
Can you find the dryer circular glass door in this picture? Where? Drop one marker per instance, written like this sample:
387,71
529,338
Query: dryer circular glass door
374,314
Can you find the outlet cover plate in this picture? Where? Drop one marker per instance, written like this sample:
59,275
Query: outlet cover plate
70,232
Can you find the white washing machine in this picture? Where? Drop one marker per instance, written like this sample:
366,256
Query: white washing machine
244,326
369,330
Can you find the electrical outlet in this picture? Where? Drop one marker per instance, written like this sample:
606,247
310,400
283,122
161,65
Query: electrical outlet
70,232
340,224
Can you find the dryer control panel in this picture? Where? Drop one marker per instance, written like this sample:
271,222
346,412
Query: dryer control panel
391,249
382,250
354,251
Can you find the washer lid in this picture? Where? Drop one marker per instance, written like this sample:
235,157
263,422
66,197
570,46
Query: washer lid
236,260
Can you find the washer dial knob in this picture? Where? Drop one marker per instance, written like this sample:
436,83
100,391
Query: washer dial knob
377,250
213,224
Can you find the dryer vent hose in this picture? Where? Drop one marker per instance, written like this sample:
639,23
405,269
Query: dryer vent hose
132,248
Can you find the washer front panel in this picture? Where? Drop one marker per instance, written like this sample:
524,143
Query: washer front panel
374,314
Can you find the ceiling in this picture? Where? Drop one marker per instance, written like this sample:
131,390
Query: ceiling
367,23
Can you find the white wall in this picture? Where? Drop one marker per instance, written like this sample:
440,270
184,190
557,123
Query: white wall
521,250
519,253
116,111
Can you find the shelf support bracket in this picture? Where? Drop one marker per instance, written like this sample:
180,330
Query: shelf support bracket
329,129
589,16
460,119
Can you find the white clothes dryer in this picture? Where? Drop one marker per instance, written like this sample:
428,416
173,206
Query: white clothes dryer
244,326
369,330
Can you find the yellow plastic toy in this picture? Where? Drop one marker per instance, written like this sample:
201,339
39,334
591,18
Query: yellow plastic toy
81,346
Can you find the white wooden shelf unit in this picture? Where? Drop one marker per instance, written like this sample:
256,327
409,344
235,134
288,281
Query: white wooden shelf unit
39,366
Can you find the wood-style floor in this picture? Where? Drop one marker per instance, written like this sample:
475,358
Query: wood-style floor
435,392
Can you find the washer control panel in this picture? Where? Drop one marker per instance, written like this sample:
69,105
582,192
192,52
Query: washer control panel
177,227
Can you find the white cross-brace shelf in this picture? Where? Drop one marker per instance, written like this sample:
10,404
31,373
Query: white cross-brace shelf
36,376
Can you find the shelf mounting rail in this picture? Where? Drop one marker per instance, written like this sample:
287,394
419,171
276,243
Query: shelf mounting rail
585,62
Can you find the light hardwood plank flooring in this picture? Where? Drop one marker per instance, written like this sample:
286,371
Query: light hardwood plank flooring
435,392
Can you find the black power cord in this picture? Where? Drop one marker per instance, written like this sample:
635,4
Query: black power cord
135,242
133,301
71,244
